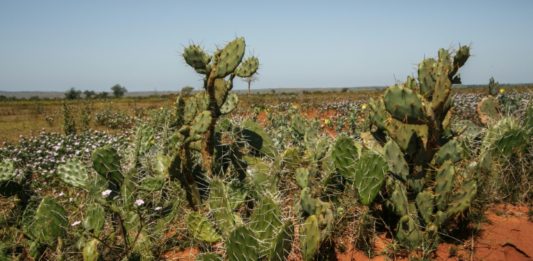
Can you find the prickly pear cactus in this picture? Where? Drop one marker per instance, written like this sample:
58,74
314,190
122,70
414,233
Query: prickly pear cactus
74,173
48,223
310,238
106,162
7,170
412,124
197,115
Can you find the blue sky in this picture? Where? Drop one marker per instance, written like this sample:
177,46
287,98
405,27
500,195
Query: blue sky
54,45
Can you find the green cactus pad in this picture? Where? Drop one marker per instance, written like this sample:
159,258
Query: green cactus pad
258,138
106,162
377,114
248,67
221,90
344,155
462,199
461,56
282,244
425,203
398,199
196,57
302,177
443,86
395,159
227,60
7,170
74,173
49,222
90,251
404,105
426,77
266,219
232,100
408,232
201,122
310,238
220,206
450,151
444,184
200,228
94,219
506,136
307,202
242,245
369,176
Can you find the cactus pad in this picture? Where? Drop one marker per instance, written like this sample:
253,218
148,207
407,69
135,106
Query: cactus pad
282,244
49,222
106,162
310,238
195,57
242,245
228,59
200,228
404,104
74,173
7,170
369,176
345,156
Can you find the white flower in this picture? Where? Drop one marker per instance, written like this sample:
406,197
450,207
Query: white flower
106,193
158,208
75,223
61,194
139,202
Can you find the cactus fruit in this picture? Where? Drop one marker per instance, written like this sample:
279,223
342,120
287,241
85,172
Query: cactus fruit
200,228
310,237
48,223
74,173
242,245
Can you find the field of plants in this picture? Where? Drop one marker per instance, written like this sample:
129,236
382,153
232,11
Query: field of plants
421,170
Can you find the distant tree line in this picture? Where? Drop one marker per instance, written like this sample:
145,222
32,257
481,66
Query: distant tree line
117,90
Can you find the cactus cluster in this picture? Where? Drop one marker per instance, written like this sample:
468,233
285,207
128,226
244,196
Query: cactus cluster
197,115
412,129
264,235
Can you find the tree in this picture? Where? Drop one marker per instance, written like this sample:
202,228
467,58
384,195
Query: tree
89,94
72,94
118,90
250,80
102,95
